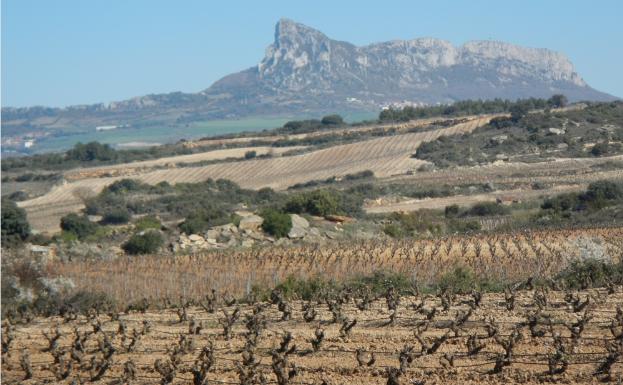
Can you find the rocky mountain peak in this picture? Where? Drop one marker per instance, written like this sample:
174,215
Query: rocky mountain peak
303,58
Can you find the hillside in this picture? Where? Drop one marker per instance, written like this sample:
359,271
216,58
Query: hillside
306,73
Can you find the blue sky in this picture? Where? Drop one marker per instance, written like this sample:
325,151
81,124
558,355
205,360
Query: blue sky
66,52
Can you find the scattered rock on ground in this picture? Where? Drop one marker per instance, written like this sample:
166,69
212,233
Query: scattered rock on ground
251,222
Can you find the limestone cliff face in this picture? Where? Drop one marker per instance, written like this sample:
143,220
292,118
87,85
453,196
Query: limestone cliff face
303,61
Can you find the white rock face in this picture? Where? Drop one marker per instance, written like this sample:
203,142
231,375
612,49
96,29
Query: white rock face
299,228
302,59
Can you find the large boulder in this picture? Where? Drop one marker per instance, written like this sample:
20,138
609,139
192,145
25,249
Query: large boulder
251,222
196,238
299,221
299,228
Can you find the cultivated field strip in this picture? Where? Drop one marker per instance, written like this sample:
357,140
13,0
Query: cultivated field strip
385,156
399,127
129,169
467,200
530,336
500,256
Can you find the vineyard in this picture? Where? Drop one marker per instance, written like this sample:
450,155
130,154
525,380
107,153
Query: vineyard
385,156
503,257
525,335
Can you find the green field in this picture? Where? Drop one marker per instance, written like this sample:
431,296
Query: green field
160,134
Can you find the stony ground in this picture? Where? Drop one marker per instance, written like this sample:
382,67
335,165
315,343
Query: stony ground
174,345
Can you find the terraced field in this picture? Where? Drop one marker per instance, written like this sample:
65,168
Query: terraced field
385,156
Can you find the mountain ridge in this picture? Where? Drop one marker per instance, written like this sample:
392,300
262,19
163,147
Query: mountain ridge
304,72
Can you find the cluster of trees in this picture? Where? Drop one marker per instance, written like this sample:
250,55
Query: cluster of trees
309,125
472,107
91,151
598,195
325,202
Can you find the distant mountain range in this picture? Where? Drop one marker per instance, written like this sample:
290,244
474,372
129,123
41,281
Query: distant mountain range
306,73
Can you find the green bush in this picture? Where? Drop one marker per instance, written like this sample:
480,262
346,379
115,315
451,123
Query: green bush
451,211
83,301
147,223
276,223
562,202
79,225
116,216
460,280
318,202
600,149
143,243
332,120
487,209
603,191
124,186
393,230
584,274
194,225
90,152
15,227
306,289
250,154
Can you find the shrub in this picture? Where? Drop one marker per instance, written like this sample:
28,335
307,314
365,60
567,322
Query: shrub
379,281
332,120
250,154
583,274
318,202
560,203
462,226
393,230
116,216
79,225
460,280
15,227
18,196
451,211
90,152
488,208
147,223
194,225
557,101
306,289
415,222
124,186
83,301
600,149
143,243
603,190
276,223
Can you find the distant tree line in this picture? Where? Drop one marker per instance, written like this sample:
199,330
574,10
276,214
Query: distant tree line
517,108
309,125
